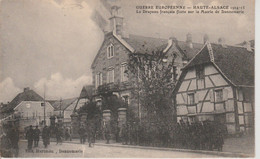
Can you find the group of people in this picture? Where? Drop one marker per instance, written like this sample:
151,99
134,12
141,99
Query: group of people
88,132
9,141
207,135
33,136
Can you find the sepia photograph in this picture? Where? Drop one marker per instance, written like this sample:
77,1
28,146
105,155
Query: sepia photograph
127,79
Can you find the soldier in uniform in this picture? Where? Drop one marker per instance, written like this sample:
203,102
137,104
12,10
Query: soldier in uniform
5,142
58,132
13,135
29,137
107,133
46,136
82,132
5,145
36,136
91,134
124,134
210,135
67,134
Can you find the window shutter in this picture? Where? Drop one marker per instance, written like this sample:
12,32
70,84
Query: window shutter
101,78
113,75
184,96
225,94
112,50
96,81
108,52
122,73
107,76
211,96
196,96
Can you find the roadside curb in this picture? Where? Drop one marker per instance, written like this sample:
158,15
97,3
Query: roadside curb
217,153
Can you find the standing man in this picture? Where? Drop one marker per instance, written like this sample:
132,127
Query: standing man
67,134
124,135
5,145
107,132
82,132
90,134
29,137
46,136
36,136
13,135
59,132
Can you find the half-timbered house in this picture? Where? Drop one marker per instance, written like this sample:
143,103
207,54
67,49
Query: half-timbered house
218,84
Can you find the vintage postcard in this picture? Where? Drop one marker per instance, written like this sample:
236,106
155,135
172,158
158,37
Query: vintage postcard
127,79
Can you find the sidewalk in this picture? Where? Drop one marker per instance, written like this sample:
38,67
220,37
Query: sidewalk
233,147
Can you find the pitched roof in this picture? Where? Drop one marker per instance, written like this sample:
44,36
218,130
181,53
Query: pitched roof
190,52
87,91
27,95
143,44
62,104
235,63
121,40
252,43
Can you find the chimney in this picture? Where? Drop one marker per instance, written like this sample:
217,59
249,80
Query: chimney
170,41
205,38
248,46
26,89
116,20
174,39
189,40
222,42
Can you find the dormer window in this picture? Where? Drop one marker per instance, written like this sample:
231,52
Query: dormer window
200,72
110,51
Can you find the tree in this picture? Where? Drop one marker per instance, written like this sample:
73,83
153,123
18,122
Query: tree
153,80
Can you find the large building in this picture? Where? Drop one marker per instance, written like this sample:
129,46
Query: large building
110,64
30,107
218,84
220,88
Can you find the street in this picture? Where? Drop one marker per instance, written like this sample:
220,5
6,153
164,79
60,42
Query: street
76,150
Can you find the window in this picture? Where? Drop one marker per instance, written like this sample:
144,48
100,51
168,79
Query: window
200,72
219,95
191,99
240,95
124,73
99,79
126,99
110,76
200,77
110,51
175,72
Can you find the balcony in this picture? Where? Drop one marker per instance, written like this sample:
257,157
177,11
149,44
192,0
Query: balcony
113,87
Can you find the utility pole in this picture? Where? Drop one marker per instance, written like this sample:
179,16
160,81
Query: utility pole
60,106
44,107
138,97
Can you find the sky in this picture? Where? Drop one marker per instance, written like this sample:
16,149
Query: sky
53,42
